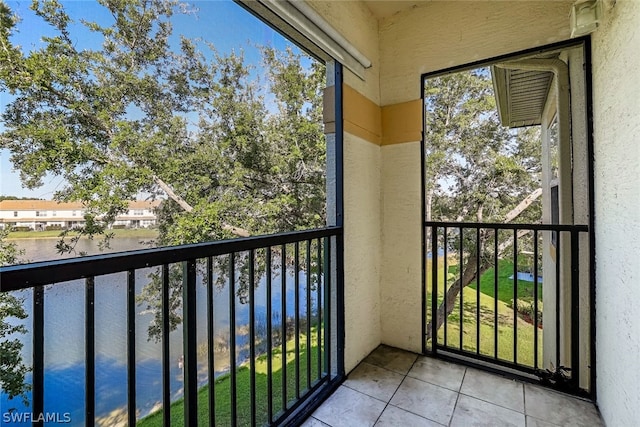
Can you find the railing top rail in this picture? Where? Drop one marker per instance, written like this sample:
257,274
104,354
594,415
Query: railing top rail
24,276
508,226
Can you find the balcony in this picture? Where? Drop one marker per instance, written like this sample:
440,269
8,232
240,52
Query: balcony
254,339
282,297
393,387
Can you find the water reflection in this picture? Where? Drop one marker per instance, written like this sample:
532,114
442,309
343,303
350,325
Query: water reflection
65,330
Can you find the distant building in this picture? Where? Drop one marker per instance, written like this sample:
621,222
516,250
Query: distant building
40,214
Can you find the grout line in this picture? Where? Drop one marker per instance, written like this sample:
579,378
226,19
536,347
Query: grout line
457,398
404,377
524,403
363,393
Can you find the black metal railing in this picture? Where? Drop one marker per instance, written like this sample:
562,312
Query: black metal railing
484,298
291,343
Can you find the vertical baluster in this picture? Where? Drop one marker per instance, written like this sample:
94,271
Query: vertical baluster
232,337
283,290
211,370
252,336
515,296
269,340
535,299
445,278
166,361
190,365
308,314
90,352
327,305
131,347
38,352
296,293
319,307
557,308
496,268
478,254
434,289
575,310
461,288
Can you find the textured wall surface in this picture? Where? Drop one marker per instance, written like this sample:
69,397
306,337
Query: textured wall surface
437,35
616,95
355,22
362,248
401,293
361,187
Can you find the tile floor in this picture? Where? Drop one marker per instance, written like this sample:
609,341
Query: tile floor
393,387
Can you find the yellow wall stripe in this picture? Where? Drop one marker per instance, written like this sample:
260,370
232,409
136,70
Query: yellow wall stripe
391,124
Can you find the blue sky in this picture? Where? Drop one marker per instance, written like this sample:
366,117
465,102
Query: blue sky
221,22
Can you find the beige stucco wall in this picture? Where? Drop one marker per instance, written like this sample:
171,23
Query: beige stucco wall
430,37
383,232
362,193
362,248
401,289
437,35
355,22
616,95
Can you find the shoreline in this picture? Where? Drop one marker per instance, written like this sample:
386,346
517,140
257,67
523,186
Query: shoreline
142,233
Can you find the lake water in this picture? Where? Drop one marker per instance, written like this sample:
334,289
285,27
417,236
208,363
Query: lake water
64,381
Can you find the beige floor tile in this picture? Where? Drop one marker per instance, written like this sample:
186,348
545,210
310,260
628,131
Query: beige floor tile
374,381
313,422
494,389
558,408
534,422
438,372
478,413
425,399
395,417
347,407
394,359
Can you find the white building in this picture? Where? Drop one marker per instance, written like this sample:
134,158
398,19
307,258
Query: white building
41,214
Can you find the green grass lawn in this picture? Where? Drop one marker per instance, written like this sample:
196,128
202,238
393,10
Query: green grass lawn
506,324
223,390
505,284
147,233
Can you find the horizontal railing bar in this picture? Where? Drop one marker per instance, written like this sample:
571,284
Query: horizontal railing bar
24,276
489,359
508,226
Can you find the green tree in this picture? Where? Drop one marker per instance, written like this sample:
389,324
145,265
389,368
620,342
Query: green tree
475,169
138,115
182,123
12,366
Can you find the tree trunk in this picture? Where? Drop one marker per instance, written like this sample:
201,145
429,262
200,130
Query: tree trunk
469,273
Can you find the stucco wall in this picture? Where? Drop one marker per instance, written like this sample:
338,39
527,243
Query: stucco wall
355,22
616,92
430,37
362,248
362,208
438,35
401,291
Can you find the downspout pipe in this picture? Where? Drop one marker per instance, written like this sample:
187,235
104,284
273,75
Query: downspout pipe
560,71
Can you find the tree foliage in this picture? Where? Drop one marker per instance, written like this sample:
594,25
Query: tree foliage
139,114
228,154
12,367
475,169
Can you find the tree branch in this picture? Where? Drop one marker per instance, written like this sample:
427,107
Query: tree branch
469,274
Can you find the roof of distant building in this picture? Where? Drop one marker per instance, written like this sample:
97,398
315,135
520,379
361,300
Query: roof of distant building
53,205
